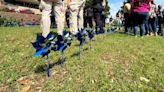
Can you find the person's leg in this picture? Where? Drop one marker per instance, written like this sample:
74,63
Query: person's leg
73,19
101,23
85,21
147,27
81,18
135,23
159,25
162,29
126,22
90,22
155,20
150,27
60,11
97,18
144,17
142,29
67,20
45,19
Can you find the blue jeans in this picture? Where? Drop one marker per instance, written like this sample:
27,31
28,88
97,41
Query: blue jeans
147,27
139,20
153,22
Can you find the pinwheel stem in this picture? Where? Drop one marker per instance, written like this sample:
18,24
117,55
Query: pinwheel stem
90,43
48,66
62,57
80,47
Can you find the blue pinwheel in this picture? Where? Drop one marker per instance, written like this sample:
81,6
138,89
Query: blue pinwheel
43,48
42,45
81,38
90,32
65,41
52,42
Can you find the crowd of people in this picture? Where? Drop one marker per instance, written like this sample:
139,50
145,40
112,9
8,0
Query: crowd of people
144,14
74,13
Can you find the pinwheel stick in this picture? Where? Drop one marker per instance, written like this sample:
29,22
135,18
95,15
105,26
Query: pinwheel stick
80,47
62,59
90,43
48,66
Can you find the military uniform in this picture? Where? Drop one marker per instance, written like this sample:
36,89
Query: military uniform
59,10
88,17
98,8
76,15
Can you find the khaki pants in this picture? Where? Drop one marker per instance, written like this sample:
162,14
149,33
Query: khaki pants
76,16
59,11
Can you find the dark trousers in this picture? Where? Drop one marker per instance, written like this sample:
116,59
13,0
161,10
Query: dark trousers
161,26
127,23
153,22
162,29
147,29
85,21
67,21
98,21
88,20
139,20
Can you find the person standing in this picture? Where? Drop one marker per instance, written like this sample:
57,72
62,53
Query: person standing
76,15
98,8
153,20
119,17
140,14
89,17
160,14
127,16
59,10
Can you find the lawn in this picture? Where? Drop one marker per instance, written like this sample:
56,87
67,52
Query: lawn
116,63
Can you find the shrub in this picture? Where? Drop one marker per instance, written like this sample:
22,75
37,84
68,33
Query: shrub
4,21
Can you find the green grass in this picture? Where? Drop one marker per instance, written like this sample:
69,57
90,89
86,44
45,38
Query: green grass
115,64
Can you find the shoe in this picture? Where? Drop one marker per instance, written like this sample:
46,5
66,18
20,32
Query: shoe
147,35
155,34
151,34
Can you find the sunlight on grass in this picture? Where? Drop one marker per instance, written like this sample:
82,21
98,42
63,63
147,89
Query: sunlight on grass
116,63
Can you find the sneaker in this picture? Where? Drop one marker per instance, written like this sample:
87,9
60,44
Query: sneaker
155,34
151,34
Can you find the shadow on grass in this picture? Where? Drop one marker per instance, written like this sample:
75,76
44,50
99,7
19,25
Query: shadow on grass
77,53
43,68
79,44
130,33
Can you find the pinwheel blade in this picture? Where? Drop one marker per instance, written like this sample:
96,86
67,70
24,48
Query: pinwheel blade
61,48
40,52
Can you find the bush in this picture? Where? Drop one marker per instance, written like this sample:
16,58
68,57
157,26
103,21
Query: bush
8,22
4,9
